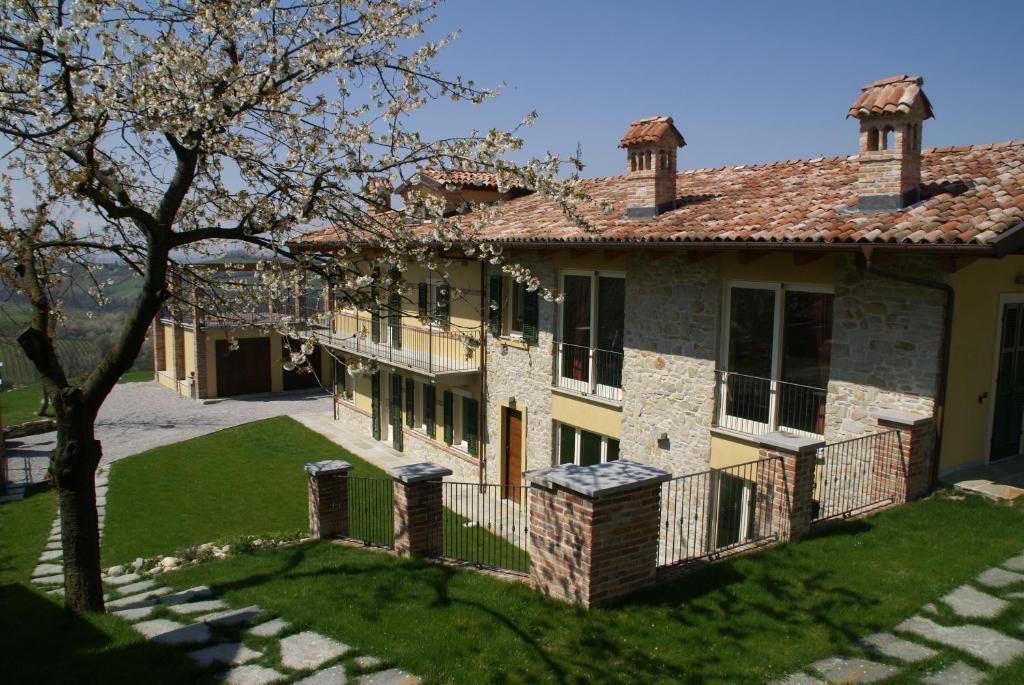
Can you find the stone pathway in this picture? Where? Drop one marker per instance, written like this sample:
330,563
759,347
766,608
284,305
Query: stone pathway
216,636
953,623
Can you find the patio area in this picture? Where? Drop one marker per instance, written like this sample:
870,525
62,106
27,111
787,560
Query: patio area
1002,479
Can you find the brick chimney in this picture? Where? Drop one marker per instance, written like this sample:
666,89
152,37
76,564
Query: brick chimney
651,166
891,113
379,190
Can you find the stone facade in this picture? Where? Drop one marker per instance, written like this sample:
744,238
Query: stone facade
668,378
886,345
525,374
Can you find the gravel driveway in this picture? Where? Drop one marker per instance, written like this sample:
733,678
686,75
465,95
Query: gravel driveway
140,416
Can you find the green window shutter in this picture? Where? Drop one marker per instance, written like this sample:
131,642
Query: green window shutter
423,300
395,319
375,404
469,422
429,400
395,411
339,377
442,305
531,316
410,403
374,310
449,417
494,305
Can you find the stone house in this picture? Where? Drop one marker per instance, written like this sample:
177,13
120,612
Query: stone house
711,306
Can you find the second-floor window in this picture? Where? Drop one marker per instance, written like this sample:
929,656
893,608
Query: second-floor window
591,329
778,346
513,310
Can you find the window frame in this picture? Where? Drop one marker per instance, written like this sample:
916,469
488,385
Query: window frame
779,288
590,386
510,289
577,443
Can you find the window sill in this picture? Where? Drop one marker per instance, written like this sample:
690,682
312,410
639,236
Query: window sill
596,399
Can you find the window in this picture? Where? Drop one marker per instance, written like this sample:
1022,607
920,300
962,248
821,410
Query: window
470,418
410,403
778,349
442,305
514,310
733,510
591,331
582,447
343,381
872,143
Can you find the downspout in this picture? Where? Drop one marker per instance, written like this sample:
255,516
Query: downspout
947,335
482,427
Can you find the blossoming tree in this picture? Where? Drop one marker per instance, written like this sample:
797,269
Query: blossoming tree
157,132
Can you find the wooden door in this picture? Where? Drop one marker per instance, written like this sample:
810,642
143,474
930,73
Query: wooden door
243,371
513,452
1008,413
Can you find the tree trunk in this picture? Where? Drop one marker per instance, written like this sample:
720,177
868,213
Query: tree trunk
73,467
44,403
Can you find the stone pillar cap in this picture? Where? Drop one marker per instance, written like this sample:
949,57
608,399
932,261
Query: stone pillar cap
326,468
416,473
901,418
600,479
790,442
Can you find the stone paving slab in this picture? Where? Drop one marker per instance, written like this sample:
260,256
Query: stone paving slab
800,679
51,554
203,605
56,591
121,580
309,650
983,643
958,673
367,663
165,632
193,593
53,544
269,628
231,617
999,578
47,570
844,669
967,602
136,613
57,579
224,653
252,675
335,675
887,644
1015,564
132,600
1016,595
140,586
393,676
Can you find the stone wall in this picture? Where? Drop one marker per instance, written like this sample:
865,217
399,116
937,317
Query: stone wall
886,345
526,375
668,378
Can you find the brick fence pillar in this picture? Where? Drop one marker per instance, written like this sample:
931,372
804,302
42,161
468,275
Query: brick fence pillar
418,509
902,464
328,498
786,484
594,530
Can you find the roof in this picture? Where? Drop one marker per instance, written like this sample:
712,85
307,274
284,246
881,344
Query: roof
651,130
461,178
974,195
893,95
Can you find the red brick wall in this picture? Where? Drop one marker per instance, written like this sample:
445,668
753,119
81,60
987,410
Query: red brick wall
418,518
328,505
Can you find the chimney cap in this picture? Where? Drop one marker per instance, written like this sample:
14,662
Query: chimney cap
652,130
893,95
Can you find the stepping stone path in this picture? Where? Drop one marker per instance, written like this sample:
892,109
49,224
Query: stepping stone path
955,623
202,624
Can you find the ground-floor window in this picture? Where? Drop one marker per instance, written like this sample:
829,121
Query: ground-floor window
344,383
733,510
582,447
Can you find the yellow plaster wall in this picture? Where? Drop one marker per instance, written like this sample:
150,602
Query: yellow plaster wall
591,416
362,394
168,349
976,318
729,451
589,260
776,267
165,380
190,352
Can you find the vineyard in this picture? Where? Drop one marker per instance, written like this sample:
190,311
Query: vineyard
78,355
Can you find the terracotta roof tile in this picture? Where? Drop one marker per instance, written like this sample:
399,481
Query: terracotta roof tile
651,130
893,95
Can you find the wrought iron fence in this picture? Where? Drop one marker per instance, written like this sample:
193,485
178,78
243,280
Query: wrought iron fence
856,475
427,349
486,525
588,370
708,514
371,507
754,405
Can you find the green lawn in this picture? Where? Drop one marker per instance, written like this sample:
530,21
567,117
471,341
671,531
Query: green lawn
747,620
20,404
43,644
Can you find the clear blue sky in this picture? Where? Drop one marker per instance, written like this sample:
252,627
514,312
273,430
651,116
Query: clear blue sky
745,81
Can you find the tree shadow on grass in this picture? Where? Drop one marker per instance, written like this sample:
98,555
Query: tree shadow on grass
42,643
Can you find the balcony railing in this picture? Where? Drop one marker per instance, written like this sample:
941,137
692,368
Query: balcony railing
754,405
302,308
588,371
426,349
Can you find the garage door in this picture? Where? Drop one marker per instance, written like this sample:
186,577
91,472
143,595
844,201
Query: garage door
245,370
298,381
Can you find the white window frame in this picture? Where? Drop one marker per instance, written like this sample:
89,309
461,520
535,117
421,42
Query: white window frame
589,387
577,443
746,502
508,310
780,288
